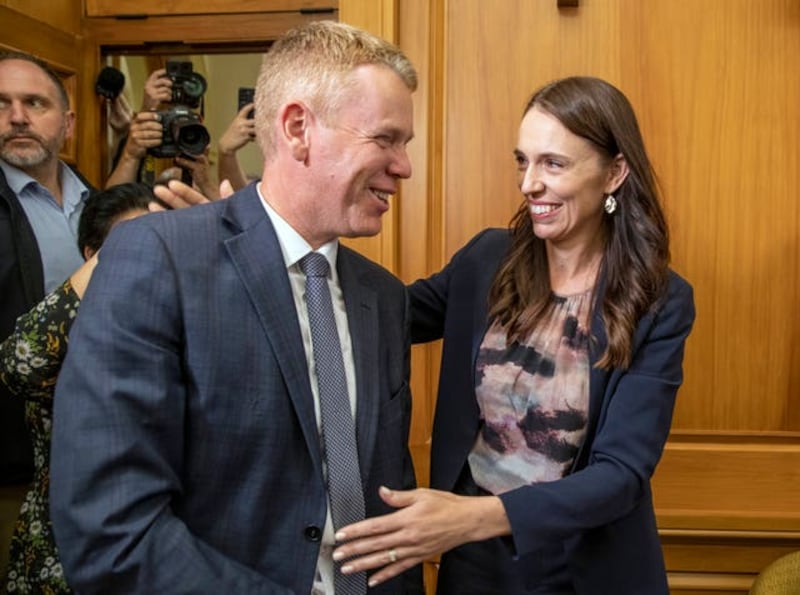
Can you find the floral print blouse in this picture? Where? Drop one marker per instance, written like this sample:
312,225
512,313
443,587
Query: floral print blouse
30,360
534,399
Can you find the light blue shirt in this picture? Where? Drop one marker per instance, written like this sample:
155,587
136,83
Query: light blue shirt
55,227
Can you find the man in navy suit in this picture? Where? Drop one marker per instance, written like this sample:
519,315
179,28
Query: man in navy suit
186,442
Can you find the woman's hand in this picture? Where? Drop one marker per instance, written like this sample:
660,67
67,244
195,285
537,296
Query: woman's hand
428,523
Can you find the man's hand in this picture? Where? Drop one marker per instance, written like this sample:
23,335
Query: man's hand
120,114
146,132
198,166
240,131
177,195
157,90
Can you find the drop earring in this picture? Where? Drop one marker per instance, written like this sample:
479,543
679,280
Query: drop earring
610,205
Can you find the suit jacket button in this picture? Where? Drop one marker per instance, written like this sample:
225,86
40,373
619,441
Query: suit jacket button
312,533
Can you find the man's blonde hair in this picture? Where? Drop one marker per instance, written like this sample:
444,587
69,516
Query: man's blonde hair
313,64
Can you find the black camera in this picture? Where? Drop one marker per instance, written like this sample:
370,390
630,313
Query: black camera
184,133
187,86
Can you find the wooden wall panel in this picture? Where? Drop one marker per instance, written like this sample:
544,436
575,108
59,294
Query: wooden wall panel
378,17
720,110
495,57
104,8
194,30
739,482
716,91
712,85
64,15
172,35
420,34
60,49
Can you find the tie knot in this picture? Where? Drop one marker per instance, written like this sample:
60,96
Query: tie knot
314,264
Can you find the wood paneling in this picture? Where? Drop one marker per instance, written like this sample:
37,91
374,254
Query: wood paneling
718,98
61,50
716,89
27,34
420,206
64,15
172,35
421,35
378,17
104,8
719,107
735,481
197,30
490,72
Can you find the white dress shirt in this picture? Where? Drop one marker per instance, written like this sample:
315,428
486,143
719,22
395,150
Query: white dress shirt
294,248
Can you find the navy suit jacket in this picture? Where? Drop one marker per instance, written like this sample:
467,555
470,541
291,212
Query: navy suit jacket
602,511
185,453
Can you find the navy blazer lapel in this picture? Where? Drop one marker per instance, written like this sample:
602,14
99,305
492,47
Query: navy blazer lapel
256,254
483,279
362,316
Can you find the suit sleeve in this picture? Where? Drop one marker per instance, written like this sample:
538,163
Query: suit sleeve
430,296
631,434
117,449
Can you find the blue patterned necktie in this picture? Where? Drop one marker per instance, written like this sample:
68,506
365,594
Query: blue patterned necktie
338,430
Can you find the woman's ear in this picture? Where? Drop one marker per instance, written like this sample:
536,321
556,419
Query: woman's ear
617,174
87,253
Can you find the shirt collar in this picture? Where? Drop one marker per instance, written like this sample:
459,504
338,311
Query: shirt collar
16,178
72,188
293,246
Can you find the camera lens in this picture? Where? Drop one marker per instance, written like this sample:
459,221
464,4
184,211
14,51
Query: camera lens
194,85
192,138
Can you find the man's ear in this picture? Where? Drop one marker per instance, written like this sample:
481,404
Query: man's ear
617,174
69,124
296,119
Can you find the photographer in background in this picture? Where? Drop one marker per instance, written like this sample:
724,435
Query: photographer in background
145,132
30,360
240,131
193,172
41,199
157,90
168,127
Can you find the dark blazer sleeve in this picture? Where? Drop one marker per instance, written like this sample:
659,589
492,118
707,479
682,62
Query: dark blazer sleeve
462,279
633,426
118,449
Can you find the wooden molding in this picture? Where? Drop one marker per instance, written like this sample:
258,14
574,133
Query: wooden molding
106,8
729,481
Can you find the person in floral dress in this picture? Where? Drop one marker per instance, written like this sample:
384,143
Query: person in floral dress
30,360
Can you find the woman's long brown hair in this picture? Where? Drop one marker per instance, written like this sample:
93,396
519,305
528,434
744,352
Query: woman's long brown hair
636,259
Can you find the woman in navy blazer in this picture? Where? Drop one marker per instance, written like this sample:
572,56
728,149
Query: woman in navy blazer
563,347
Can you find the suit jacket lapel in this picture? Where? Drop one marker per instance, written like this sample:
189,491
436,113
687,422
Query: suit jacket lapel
256,254
362,315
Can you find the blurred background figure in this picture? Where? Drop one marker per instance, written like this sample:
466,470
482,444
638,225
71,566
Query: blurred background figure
239,133
30,360
41,199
